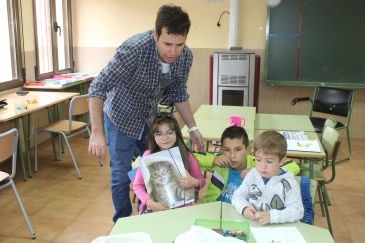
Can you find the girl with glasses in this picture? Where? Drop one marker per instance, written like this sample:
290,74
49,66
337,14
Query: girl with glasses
164,133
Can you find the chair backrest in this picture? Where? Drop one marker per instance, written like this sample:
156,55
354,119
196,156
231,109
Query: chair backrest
331,144
9,145
333,101
329,139
330,122
79,105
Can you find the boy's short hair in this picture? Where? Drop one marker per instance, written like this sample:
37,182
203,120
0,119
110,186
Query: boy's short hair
174,18
271,142
234,132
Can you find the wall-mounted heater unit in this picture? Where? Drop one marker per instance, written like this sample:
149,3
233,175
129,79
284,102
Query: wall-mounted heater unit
233,78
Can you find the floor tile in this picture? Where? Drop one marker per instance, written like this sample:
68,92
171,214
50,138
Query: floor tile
63,208
80,231
45,228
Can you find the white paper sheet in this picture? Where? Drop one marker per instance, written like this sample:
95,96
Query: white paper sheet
277,234
303,145
198,234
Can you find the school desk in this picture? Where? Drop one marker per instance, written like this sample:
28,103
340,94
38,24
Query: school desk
212,120
283,122
224,112
61,82
10,112
165,226
212,128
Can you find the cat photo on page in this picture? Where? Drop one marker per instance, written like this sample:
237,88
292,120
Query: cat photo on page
161,173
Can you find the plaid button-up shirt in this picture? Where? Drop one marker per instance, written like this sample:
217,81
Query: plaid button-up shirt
132,84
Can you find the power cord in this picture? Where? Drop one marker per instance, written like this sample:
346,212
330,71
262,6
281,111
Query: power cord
218,23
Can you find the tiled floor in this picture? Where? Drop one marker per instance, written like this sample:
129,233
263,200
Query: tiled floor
63,208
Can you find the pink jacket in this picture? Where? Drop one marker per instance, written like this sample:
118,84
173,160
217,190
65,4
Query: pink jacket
139,187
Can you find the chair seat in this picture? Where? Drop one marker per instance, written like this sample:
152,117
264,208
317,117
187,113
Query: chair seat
318,124
3,176
62,126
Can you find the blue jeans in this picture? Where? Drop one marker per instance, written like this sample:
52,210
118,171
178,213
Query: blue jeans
121,149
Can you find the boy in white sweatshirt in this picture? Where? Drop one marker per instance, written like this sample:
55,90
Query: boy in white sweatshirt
269,194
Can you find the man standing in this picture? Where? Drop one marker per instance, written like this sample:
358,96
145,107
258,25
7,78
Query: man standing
147,67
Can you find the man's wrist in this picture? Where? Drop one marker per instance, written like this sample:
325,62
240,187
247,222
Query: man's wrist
194,128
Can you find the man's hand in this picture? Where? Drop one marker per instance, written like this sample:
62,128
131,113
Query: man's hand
97,142
221,161
97,145
187,116
197,140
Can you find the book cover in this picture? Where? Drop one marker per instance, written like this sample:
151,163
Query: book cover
161,173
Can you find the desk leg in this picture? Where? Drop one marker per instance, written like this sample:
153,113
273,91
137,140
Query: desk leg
52,135
26,132
20,151
207,146
311,167
58,117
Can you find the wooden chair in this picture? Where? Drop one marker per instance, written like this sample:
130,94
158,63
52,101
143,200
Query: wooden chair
331,101
67,128
331,144
8,145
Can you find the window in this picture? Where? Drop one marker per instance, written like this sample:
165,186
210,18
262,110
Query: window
53,37
11,48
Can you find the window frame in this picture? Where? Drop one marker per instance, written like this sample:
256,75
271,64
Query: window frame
55,70
15,20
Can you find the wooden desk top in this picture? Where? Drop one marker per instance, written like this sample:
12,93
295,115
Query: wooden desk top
282,122
224,112
44,99
61,81
212,128
165,226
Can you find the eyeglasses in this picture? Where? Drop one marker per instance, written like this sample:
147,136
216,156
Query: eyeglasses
160,135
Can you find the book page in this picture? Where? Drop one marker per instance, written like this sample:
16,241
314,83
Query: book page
304,145
161,173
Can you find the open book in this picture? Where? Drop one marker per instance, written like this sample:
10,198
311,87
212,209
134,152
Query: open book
161,173
298,141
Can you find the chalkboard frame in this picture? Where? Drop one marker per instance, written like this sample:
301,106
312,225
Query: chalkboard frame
292,39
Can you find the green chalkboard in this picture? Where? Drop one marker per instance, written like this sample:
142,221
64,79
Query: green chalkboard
316,42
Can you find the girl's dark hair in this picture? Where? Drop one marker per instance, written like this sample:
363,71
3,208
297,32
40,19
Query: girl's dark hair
175,20
234,132
169,119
